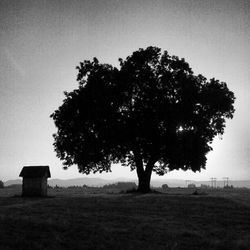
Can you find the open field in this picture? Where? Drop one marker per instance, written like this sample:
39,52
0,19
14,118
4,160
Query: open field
78,219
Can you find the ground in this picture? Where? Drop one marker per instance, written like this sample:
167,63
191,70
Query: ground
92,219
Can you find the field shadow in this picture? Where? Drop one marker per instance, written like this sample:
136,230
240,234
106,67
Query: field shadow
129,221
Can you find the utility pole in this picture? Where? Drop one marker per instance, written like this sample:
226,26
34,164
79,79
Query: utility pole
213,182
225,181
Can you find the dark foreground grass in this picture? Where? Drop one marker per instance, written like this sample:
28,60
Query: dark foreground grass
128,221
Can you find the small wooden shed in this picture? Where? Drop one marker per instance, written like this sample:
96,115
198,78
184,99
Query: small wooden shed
35,180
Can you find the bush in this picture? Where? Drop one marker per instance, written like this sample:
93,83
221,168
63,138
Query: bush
1,184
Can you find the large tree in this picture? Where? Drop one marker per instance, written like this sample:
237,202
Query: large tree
152,114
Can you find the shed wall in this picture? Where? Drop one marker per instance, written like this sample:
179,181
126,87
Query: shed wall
34,186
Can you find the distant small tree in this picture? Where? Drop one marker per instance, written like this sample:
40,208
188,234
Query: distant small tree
191,185
164,186
152,114
1,184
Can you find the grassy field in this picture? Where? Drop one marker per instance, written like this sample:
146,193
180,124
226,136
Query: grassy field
80,219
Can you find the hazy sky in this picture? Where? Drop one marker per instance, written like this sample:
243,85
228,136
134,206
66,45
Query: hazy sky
41,43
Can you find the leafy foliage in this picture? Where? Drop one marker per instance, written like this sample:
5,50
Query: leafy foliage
153,111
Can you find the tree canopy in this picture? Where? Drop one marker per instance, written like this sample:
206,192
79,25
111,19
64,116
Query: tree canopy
152,114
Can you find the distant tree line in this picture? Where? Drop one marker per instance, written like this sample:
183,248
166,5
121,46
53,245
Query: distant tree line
121,186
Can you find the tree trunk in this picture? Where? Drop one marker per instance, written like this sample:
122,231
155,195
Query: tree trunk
144,181
144,175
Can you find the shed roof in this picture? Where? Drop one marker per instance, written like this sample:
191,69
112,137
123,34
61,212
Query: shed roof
35,172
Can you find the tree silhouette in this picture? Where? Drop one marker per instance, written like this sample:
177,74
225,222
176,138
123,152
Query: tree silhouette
152,114
1,184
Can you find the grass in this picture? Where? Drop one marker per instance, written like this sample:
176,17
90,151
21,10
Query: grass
73,219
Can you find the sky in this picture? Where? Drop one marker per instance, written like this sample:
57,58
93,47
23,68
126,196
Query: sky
41,43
